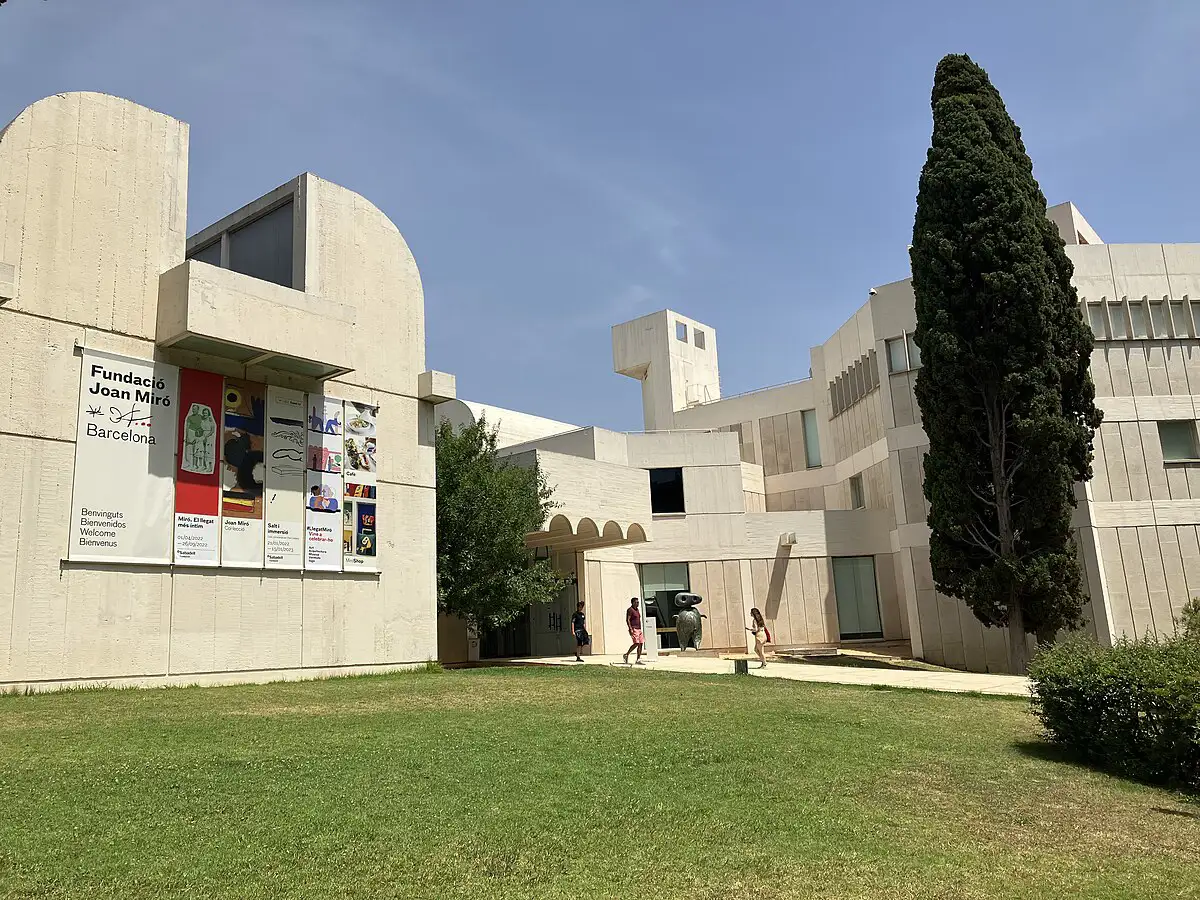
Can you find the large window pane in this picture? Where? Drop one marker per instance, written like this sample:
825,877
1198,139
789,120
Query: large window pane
1180,326
1116,318
914,353
1178,440
1096,320
857,597
666,490
1158,319
857,500
897,360
812,440
1137,319
210,254
263,248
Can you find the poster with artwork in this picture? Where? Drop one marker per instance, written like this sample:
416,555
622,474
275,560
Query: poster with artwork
198,477
360,475
323,516
324,434
323,496
122,507
286,441
242,474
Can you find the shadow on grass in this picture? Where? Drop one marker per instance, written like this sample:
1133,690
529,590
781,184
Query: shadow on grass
1048,752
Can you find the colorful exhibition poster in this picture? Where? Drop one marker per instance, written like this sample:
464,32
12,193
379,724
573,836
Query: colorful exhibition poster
124,485
359,463
242,470
285,484
323,495
197,479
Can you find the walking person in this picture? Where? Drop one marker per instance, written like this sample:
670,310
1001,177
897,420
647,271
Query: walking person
762,637
633,622
579,628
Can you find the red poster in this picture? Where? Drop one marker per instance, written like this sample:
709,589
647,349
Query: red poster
198,472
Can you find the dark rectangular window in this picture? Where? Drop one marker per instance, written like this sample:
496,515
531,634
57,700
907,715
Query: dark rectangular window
210,254
263,248
666,491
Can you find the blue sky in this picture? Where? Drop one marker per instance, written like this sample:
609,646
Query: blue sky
558,167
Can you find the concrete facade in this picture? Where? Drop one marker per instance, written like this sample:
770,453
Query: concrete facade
785,484
94,254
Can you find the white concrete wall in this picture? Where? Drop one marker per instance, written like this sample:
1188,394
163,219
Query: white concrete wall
512,427
93,212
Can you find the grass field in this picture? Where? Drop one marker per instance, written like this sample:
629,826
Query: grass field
567,784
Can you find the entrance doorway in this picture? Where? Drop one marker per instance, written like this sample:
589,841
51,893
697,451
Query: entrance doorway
857,598
660,583
551,625
505,643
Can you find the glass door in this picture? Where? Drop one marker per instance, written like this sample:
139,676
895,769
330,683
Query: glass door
857,597
660,583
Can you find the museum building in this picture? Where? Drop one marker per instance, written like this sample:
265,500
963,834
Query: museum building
219,460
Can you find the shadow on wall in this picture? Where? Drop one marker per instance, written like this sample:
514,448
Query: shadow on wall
774,598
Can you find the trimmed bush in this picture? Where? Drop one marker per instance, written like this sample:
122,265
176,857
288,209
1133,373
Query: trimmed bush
1133,709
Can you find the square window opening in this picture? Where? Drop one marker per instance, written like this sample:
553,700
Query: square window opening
666,491
896,359
1178,440
681,332
698,338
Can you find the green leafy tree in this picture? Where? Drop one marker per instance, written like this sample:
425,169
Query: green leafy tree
1005,391
485,508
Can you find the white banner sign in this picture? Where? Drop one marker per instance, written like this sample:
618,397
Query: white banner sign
123,499
286,443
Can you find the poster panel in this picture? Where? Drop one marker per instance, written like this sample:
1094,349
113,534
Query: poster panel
198,479
285,478
122,503
360,463
242,470
323,501
323,514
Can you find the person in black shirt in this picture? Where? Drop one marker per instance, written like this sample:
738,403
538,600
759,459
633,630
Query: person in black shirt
579,627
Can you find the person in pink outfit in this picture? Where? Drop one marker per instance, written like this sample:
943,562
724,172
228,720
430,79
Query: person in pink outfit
633,622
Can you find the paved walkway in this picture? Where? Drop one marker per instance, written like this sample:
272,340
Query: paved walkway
955,682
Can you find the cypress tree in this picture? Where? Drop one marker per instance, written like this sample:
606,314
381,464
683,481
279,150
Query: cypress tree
1005,391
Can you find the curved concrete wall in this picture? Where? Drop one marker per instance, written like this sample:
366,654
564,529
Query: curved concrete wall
92,212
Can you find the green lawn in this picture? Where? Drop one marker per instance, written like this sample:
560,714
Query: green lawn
565,783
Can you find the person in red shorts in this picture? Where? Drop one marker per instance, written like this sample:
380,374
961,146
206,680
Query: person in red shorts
633,621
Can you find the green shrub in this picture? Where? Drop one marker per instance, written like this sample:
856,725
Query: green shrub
1133,708
1189,620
